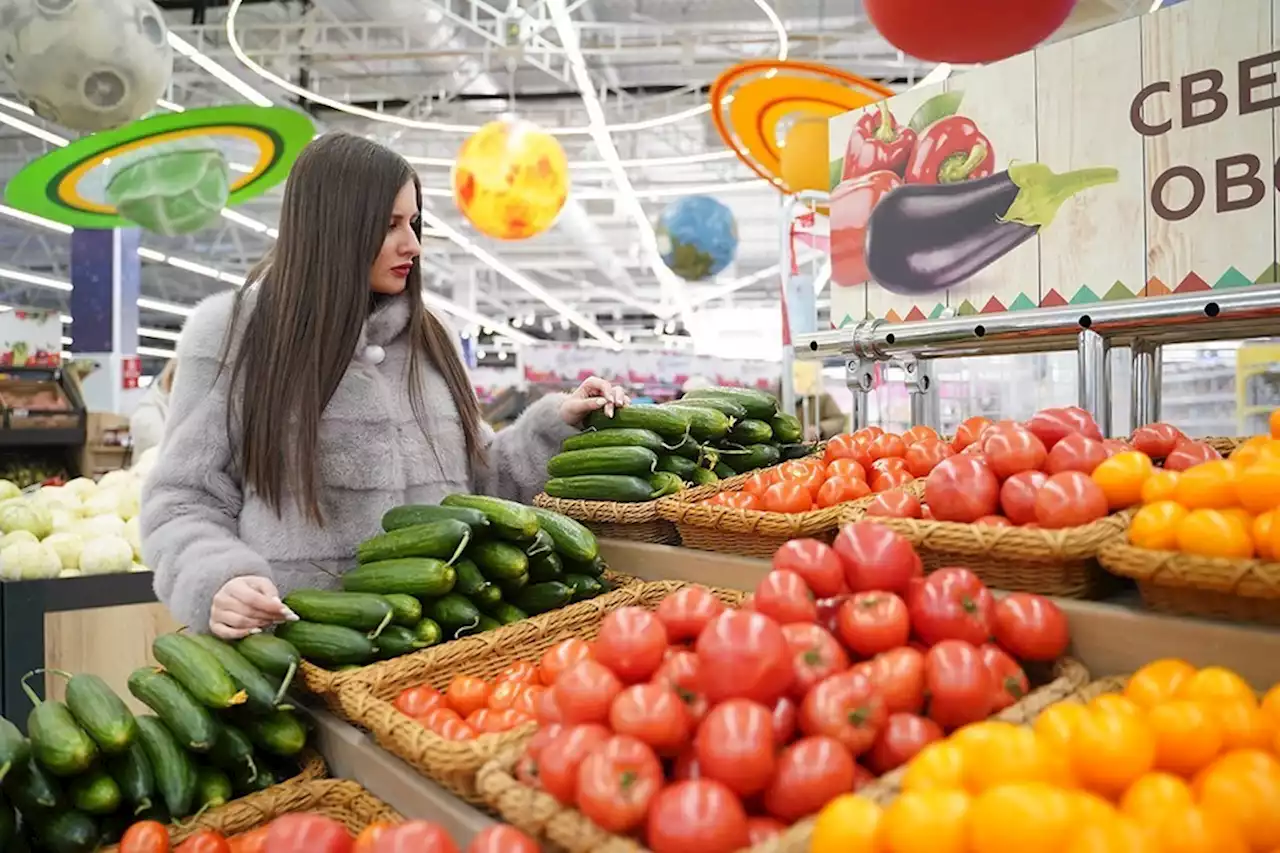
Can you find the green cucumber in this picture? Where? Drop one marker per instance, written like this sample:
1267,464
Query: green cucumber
795,451
758,404
398,640
678,465
280,733
723,471
15,749
665,483
723,405
259,780
197,670
470,580
488,623
328,644
704,424
133,774
491,594
499,560
361,611
787,428
585,586
511,520
592,568
689,449
510,586
69,832
506,613
572,539
416,576
405,609
672,425
542,544
233,751
545,567
751,457
601,487
101,713
188,720
602,460
751,431
270,654
174,772
213,788
259,689
703,477
455,615
33,789
440,540
540,597
428,631
415,514
95,793
592,439
57,741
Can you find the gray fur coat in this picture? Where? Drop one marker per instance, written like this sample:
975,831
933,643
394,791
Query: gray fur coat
200,528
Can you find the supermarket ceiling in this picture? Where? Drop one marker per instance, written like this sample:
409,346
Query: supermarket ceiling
649,61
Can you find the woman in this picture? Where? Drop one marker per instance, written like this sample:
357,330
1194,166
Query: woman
321,396
146,424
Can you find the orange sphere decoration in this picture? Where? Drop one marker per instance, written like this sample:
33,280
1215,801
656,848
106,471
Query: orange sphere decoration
510,180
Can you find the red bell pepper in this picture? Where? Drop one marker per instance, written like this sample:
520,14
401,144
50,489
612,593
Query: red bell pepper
951,150
851,206
877,144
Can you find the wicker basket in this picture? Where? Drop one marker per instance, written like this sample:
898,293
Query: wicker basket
542,817
635,522
367,702
1190,585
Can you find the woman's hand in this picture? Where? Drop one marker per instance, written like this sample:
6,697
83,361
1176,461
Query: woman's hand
594,393
245,606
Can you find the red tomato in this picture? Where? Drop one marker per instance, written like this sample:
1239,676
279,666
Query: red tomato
1018,496
616,783
899,676
846,707
923,456
838,490
862,777
815,655
1083,422
988,32
789,496
1075,453
1010,681
686,766
312,833
1031,627
687,611
1051,426
1070,499
874,622
902,737
1188,454
145,836
700,815
548,710
800,469
455,730
438,717
1114,446
501,838
885,464
559,760
652,714
918,434
762,829
521,671
994,521
811,772
784,597
560,657
417,701
1011,448
886,445
735,746
951,604
743,655
876,558
505,695
962,488
968,432
960,687
850,468
810,478
814,561
760,481
829,612
679,671
891,479
542,737
739,500
415,836
631,642
530,700
467,693
867,433
205,841
847,447
786,717
895,503
585,692
1156,440
366,841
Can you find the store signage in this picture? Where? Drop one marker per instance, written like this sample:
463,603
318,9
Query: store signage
130,372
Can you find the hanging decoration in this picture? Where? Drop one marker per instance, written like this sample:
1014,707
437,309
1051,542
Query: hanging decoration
510,180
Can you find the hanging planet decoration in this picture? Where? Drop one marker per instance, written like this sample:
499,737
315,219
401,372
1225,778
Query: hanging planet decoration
87,65
173,188
804,161
968,32
697,237
511,180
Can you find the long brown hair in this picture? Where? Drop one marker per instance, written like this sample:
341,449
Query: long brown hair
313,298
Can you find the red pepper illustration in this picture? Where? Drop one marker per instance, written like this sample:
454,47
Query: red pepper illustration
950,151
851,206
877,144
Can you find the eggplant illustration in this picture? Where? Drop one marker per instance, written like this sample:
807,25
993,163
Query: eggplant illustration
923,238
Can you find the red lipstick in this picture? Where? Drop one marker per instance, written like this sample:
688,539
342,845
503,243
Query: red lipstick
402,271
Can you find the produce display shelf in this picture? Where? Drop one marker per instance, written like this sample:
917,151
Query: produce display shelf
60,437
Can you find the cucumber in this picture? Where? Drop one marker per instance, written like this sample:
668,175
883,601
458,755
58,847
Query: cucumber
328,644
510,586
213,788
428,632
672,425
101,713
261,779
95,793
259,689
270,654
362,611
601,487
233,751
787,428
689,449
752,457
415,514
57,741
416,576
15,749
454,614
704,424
398,640
665,483
723,405
174,772
593,439
281,733
603,460
592,568
33,789
678,465
572,539
540,597
405,609
499,560
795,451
542,544
491,594
545,567
759,405
197,670
488,623
703,477
751,431
133,775
69,832
584,586
189,721
470,580
440,540
723,471
507,613
511,520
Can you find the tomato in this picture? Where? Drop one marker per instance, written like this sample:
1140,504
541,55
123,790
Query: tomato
786,718
466,693
505,694
1110,751
511,718
815,655
560,657
923,456
654,715
867,433
735,746
687,611
204,841
846,707
762,829
811,772
559,759
743,655
902,737
899,676
414,836
548,710
784,597
850,468
759,482
887,464
876,558
1121,477
455,730
962,488
1158,681
1018,496
1244,787
585,692
367,840
1069,499
1051,426
501,838
1215,533
1030,627
1010,681
788,496
521,671
1029,817
951,604
891,479
1083,422
1188,454
145,836
310,833
701,815
1075,453
814,561
530,699
737,500
1216,684
918,434
886,445
1011,448
680,673
838,490
811,479
616,783
417,701
631,642
959,685
968,432
1156,440
1187,735
873,622
800,469
895,503
437,717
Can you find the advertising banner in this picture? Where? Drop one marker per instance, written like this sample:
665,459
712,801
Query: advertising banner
30,337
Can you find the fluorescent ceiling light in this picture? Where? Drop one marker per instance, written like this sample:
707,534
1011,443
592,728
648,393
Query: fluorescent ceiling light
224,76
34,279
441,304
32,130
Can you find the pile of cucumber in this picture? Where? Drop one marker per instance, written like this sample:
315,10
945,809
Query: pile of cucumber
643,453
89,768
437,573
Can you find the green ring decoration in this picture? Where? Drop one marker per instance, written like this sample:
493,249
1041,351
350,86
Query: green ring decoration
38,187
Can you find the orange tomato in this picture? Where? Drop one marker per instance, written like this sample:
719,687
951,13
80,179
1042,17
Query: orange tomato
1154,795
1029,817
1216,683
1015,755
1258,486
505,694
1271,704
1262,530
940,765
1155,526
1110,751
1160,486
521,671
1158,681
368,837
1244,725
1121,477
1057,724
1192,829
1209,485
1088,808
787,496
1214,533
1120,835
1114,703
1247,796
1249,452
466,694
918,434
850,468
848,822
1188,735
926,822
837,490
